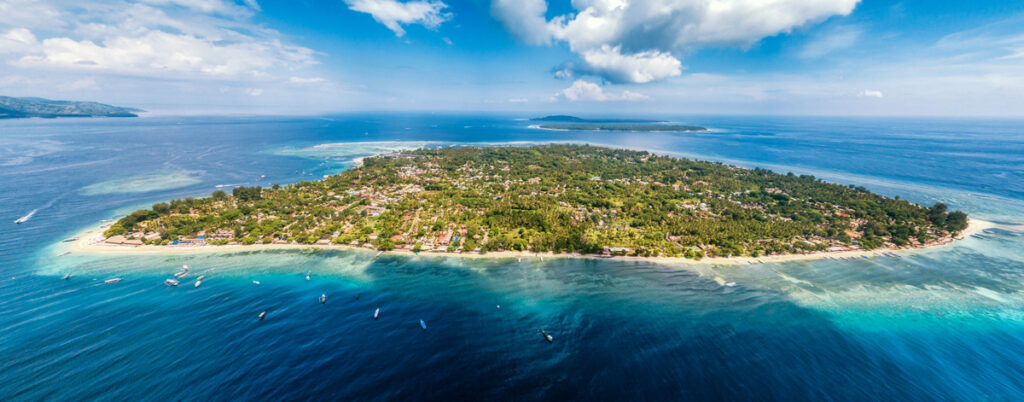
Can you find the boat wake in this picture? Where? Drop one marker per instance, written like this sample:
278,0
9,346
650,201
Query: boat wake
32,213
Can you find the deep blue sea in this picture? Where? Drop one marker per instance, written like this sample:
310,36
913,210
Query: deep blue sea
945,323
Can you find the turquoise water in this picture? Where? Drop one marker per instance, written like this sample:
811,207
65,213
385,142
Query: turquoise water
944,323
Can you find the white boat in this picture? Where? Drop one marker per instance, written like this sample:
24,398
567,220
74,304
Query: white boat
376,313
730,284
379,253
323,298
199,281
307,274
255,282
67,276
546,336
113,280
260,317
171,282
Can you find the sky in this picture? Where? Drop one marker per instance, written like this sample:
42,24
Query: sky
743,57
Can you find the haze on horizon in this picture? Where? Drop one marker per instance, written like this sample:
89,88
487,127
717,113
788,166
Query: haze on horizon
784,57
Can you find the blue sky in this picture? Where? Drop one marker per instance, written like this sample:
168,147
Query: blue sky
792,57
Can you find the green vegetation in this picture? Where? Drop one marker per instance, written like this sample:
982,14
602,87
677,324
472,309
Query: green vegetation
623,127
561,118
561,198
38,107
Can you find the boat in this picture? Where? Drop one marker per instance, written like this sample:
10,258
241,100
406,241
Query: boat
260,317
66,253
730,284
67,276
307,274
171,282
255,282
70,240
199,280
376,313
378,254
323,298
423,324
180,274
113,280
546,336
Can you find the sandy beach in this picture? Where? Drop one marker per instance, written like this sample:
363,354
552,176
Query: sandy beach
91,242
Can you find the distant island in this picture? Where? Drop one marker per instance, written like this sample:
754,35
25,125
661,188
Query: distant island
563,199
11,108
561,118
564,122
622,127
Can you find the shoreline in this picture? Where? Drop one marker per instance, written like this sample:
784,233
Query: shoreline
89,242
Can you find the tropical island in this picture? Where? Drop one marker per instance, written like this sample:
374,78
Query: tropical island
561,118
12,108
563,122
574,199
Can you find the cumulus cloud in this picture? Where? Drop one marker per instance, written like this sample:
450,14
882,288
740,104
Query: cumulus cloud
641,67
162,38
647,33
587,91
868,93
524,19
393,14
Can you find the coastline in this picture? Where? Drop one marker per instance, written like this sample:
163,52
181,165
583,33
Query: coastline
89,242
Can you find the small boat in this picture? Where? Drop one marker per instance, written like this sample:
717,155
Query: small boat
307,274
730,284
66,277
546,336
255,282
376,313
113,280
323,298
378,254
181,274
260,317
66,253
171,282
199,280
499,307
423,324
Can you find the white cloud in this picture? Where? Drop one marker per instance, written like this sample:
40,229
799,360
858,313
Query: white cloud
166,39
649,32
582,90
393,14
304,80
524,19
518,100
870,93
254,91
642,67
17,40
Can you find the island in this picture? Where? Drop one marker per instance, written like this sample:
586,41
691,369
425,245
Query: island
565,123
11,108
561,118
562,199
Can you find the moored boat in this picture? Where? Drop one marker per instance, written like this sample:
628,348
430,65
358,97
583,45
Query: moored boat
171,282
113,280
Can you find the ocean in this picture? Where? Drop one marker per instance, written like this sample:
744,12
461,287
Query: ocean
943,323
